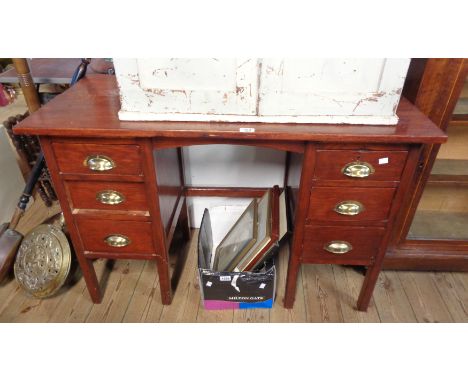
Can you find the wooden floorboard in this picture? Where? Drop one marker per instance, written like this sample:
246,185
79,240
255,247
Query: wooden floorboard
278,313
321,294
348,282
455,300
118,293
325,293
186,301
390,299
144,293
424,297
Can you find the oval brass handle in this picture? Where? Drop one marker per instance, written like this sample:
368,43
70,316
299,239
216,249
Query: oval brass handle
358,169
99,163
349,207
338,247
110,197
117,240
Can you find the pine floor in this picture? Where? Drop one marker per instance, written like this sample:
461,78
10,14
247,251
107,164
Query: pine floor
326,293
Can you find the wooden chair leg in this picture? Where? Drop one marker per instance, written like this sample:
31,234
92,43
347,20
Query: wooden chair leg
164,281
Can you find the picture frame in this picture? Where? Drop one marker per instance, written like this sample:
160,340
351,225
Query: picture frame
264,234
238,241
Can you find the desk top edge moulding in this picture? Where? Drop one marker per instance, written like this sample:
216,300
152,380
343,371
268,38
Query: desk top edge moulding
352,91
89,110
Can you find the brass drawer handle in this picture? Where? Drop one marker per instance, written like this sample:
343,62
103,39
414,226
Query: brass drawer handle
117,240
110,197
99,163
338,247
358,169
349,207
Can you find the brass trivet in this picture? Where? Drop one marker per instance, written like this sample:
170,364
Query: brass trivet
43,261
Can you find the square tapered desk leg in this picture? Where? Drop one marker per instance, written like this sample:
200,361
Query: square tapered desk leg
291,281
164,281
89,275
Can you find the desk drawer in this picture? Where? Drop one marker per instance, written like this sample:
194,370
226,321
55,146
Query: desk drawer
110,196
359,164
361,204
363,244
115,236
90,158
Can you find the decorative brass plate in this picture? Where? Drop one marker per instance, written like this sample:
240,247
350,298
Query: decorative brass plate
43,261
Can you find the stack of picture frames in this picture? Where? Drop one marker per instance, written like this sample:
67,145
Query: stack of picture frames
253,236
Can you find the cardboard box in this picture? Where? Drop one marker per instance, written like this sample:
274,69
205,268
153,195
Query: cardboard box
238,290
231,290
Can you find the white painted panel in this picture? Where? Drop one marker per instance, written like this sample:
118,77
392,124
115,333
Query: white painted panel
331,87
322,75
11,180
188,86
188,74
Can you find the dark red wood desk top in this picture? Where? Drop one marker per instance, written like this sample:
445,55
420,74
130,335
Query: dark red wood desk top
89,109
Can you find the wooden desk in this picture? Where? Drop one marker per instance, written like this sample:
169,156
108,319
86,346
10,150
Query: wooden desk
143,176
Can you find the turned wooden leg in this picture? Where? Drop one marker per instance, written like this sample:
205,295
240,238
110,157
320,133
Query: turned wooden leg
164,281
91,280
368,287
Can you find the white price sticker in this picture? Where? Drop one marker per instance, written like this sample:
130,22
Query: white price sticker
209,283
247,129
224,278
383,160
262,286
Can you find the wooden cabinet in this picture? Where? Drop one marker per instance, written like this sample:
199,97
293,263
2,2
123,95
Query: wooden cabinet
123,192
432,232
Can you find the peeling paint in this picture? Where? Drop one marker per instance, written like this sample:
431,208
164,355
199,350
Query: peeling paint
374,98
263,89
239,90
241,65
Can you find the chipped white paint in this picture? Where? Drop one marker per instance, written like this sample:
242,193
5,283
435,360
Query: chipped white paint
347,90
358,91
187,86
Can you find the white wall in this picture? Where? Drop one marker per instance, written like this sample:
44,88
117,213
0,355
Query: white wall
11,180
229,165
